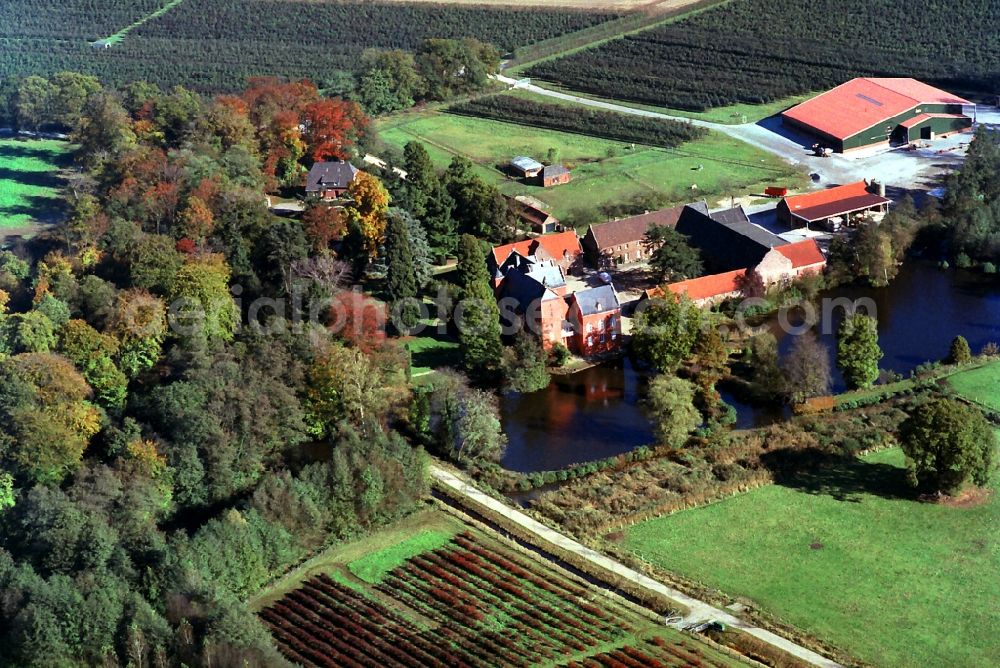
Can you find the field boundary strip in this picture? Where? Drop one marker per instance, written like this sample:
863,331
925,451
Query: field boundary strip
117,37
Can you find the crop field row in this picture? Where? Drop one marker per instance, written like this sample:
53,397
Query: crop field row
216,45
759,51
471,602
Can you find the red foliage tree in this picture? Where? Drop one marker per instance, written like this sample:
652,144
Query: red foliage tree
332,128
358,320
323,224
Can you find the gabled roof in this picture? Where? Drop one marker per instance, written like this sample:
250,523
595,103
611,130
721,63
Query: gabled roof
526,164
627,230
803,253
863,103
727,240
601,299
527,288
708,287
551,171
557,246
529,213
323,175
917,120
836,201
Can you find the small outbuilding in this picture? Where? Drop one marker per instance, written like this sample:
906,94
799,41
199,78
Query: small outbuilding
526,167
554,175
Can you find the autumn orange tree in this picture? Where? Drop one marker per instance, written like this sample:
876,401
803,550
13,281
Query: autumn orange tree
368,209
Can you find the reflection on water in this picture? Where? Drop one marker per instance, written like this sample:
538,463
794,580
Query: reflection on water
585,416
918,316
596,413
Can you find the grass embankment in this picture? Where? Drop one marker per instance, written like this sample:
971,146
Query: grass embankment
980,385
30,180
605,172
373,567
848,555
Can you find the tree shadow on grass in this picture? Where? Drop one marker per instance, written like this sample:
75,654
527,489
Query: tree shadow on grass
443,352
843,478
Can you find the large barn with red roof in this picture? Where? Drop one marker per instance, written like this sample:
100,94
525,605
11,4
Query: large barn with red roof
871,111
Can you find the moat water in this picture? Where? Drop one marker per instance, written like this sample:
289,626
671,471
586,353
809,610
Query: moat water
598,412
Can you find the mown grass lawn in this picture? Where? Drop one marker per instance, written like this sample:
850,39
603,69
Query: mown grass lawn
604,171
981,385
29,180
848,556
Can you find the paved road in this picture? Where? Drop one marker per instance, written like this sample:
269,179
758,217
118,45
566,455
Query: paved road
897,167
699,610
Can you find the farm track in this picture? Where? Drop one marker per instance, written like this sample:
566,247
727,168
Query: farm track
700,612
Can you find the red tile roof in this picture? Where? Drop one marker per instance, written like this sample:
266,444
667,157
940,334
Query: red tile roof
802,253
556,245
708,287
836,201
863,103
917,120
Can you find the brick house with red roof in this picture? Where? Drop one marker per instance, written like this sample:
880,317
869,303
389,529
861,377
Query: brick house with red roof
870,111
828,208
563,248
790,261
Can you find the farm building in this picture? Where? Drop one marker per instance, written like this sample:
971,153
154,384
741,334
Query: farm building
330,180
727,239
621,241
526,167
532,216
868,112
831,208
554,175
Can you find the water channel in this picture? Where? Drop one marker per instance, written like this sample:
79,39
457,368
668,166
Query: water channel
597,413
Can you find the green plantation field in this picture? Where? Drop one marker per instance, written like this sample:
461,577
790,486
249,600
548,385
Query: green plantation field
30,181
847,555
434,591
214,45
605,172
981,385
761,51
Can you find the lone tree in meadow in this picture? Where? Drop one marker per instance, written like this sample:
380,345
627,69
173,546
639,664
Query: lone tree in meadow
858,353
959,353
947,443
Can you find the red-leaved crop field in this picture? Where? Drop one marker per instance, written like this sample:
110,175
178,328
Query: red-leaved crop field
477,603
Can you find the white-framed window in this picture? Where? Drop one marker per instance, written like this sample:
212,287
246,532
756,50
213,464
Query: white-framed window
590,340
600,326
602,337
589,328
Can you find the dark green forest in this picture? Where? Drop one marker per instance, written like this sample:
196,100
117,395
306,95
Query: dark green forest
756,51
216,45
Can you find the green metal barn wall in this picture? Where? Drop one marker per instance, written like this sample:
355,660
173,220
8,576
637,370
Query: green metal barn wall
876,133
939,126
